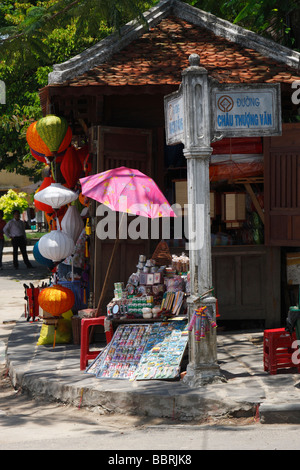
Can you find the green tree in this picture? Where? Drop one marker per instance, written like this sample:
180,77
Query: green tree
11,201
33,36
274,19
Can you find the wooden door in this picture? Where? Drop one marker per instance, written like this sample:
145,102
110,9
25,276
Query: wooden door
120,147
282,187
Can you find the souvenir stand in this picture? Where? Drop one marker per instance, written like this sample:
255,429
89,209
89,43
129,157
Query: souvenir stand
149,316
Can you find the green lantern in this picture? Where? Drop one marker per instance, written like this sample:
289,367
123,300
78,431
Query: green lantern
52,129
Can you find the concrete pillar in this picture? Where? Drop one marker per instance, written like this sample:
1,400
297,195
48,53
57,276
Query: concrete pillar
202,367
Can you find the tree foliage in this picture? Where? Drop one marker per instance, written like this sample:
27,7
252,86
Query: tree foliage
12,201
35,34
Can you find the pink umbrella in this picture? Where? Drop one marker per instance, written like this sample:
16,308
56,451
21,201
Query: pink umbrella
127,190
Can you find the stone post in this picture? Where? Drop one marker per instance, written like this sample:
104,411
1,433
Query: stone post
202,367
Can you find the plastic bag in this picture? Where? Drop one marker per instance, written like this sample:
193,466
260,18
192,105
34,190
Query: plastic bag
63,331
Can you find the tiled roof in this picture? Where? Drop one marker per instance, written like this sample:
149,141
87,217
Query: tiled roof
160,55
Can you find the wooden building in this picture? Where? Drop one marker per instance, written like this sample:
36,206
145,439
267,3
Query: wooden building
113,96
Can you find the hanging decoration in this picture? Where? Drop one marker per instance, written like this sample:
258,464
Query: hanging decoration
56,299
40,206
55,132
201,323
41,259
54,218
72,224
39,139
71,167
38,148
56,195
56,245
84,157
83,200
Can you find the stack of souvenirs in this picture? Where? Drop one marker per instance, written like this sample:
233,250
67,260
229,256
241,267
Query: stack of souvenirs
157,289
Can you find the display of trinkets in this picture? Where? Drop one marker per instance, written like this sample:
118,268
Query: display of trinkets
164,351
143,352
122,355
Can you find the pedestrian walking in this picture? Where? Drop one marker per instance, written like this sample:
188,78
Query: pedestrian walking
15,230
2,224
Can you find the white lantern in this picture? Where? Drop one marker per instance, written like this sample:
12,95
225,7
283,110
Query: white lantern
56,195
56,245
72,224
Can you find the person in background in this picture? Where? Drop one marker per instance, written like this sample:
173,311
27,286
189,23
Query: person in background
2,224
15,229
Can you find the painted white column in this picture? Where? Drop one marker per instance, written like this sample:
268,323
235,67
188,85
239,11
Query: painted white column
202,367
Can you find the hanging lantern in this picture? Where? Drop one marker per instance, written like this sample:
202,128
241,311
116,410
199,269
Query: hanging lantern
40,206
56,195
71,167
56,245
41,259
55,133
54,218
72,224
40,148
85,159
83,200
56,300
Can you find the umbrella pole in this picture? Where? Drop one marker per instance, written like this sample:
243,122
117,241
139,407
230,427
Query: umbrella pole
108,273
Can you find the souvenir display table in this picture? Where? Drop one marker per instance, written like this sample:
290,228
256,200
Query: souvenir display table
148,317
143,351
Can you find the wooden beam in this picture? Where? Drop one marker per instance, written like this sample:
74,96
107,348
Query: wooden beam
255,201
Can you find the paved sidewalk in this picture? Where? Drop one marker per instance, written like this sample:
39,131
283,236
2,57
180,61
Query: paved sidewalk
54,373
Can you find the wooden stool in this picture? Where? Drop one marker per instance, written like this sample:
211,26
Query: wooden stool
85,353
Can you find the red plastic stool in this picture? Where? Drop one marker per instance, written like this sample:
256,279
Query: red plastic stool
278,350
85,353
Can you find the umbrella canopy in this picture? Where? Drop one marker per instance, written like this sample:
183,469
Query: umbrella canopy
127,190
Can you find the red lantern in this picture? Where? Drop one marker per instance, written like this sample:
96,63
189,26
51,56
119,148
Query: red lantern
71,167
84,157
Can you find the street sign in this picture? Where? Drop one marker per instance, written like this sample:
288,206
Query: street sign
174,118
245,110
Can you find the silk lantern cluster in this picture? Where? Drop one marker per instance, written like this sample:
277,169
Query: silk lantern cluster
60,243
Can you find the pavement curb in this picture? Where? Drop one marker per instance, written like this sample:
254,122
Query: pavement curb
54,374
279,413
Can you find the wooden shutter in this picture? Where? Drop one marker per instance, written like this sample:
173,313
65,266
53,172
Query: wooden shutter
282,187
120,146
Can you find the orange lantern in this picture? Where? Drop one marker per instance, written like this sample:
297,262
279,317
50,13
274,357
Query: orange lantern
83,200
56,300
71,167
39,149
52,217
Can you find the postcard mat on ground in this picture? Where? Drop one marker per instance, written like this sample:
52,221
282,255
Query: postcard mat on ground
143,352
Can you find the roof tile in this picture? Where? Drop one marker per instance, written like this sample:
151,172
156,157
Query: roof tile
160,55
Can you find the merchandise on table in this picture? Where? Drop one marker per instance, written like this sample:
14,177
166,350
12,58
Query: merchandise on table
143,352
167,286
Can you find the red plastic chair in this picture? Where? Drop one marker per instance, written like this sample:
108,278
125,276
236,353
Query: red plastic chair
85,353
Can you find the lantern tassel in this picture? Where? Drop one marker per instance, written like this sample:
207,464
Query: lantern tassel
55,328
